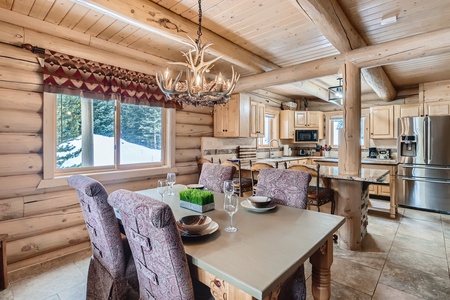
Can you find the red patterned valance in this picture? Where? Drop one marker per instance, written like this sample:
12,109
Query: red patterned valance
77,76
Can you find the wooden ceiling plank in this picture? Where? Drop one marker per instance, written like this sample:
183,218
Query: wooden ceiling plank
22,6
433,43
40,9
123,34
58,11
6,4
102,24
87,21
150,15
73,17
331,20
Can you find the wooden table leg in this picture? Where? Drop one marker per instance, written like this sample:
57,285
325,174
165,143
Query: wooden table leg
321,262
3,267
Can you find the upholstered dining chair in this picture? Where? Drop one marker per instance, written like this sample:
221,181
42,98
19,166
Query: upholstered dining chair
254,172
112,272
242,184
158,251
213,176
201,161
287,187
317,195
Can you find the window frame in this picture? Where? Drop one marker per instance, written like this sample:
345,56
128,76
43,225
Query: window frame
365,113
54,178
274,127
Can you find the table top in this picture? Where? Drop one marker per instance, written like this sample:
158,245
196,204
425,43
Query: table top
366,174
267,248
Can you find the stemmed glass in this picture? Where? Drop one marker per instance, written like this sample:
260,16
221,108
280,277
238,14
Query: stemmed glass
228,187
171,179
231,204
162,188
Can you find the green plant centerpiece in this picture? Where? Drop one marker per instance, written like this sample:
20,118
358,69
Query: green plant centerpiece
197,200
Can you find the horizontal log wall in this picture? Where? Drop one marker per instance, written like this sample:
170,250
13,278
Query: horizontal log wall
41,223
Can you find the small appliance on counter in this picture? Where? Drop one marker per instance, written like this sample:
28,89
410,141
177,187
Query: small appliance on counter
286,150
373,153
384,154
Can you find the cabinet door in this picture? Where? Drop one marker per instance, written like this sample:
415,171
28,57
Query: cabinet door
257,117
410,110
287,124
300,119
314,119
437,108
219,120
384,190
232,117
373,189
382,122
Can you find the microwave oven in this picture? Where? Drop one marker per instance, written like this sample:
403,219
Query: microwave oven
306,135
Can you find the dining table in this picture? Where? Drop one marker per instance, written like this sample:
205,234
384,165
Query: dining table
268,247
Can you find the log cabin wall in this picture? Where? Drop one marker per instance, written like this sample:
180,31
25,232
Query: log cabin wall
43,224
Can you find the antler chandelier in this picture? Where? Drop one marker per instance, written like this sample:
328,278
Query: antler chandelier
196,89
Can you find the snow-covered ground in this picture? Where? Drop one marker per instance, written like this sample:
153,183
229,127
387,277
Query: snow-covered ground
104,152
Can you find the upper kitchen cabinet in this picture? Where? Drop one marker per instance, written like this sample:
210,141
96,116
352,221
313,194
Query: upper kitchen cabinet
231,119
257,117
437,108
287,130
382,122
308,119
408,110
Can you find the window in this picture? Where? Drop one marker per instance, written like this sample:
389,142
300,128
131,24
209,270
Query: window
337,122
271,120
97,136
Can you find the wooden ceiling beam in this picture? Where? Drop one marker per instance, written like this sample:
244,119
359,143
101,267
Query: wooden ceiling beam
421,45
331,20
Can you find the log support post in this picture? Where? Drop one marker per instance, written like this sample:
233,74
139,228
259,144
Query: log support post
351,193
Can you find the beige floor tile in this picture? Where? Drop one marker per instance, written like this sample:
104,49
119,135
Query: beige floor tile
53,297
339,291
382,230
431,224
422,233
420,245
83,265
419,261
420,284
421,215
6,294
384,292
354,275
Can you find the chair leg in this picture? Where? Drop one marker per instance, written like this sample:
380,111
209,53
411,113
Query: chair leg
333,204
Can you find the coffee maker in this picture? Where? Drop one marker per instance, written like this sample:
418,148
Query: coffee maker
373,153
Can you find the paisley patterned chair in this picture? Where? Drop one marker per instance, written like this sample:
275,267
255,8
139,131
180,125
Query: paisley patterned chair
290,188
158,251
112,272
213,176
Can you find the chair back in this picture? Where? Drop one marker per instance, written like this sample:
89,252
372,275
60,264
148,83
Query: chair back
285,187
255,168
155,242
314,173
213,176
101,223
201,161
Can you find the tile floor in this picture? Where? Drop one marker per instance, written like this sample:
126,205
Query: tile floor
403,258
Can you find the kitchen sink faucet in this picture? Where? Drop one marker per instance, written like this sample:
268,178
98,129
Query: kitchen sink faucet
270,146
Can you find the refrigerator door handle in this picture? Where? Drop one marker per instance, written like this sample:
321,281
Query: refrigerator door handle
425,180
425,140
425,167
429,150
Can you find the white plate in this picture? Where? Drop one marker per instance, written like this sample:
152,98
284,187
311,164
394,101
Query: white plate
211,229
248,205
195,186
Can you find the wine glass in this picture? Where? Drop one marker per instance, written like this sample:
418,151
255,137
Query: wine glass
171,179
230,204
228,187
162,188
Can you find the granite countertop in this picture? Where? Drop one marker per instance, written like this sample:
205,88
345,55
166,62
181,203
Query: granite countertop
366,174
374,161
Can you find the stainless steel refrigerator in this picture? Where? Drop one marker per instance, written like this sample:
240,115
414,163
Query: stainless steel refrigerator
424,162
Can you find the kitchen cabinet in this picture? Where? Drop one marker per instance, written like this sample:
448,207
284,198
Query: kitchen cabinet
257,117
232,119
437,108
379,190
382,122
309,120
406,110
287,130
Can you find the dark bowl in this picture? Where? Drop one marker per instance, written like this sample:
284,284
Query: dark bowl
260,201
195,223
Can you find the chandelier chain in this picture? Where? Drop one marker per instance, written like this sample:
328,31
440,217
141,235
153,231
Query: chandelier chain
199,31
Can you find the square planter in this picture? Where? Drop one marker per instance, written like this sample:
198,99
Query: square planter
196,207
